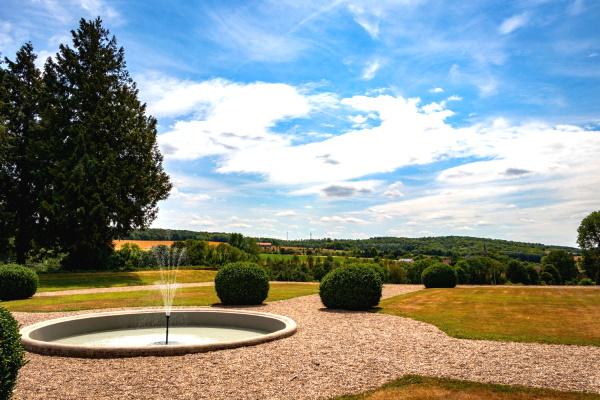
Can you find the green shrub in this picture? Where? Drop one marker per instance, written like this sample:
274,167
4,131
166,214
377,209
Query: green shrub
546,278
397,273
516,272
439,276
242,283
586,282
351,288
461,275
552,270
11,353
17,282
533,276
380,270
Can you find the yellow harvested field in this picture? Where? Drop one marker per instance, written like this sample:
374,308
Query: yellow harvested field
148,244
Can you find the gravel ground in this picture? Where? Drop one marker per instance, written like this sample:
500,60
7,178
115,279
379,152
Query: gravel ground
332,353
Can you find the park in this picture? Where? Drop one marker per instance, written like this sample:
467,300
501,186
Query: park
96,302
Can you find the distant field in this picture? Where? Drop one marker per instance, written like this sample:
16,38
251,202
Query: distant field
546,315
188,296
86,280
148,244
424,388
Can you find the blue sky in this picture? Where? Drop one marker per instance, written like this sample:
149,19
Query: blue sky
356,119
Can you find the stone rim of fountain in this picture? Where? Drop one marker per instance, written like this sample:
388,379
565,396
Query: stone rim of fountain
70,350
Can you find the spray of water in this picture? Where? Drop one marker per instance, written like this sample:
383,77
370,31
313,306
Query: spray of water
169,261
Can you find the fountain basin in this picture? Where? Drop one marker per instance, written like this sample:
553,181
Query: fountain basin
142,332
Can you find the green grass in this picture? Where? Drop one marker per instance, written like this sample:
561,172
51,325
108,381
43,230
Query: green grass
413,387
85,280
546,315
193,296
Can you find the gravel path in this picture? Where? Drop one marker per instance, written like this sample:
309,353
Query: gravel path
332,353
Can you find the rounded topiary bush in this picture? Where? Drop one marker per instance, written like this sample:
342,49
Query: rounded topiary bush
242,283
439,276
11,353
379,269
17,282
351,288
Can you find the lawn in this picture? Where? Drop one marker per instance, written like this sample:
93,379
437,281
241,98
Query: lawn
85,280
192,296
546,315
423,388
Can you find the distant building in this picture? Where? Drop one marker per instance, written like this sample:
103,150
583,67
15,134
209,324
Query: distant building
406,260
265,245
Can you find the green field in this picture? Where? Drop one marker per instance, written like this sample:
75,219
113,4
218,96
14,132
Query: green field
546,315
192,296
84,280
423,388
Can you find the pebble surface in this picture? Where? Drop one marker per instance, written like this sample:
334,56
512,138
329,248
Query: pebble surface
333,353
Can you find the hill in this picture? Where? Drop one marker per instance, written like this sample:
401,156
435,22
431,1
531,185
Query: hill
390,247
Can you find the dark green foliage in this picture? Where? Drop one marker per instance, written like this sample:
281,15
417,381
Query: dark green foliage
351,288
131,258
17,282
586,282
397,273
588,238
200,252
283,270
533,276
439,276
516,272
550,275
106,172
22,160
380,270
242,283
12,355
415,269
322,269
461,275
244,243
482,270
563,261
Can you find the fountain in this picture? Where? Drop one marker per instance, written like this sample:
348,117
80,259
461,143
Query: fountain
141,332
169,261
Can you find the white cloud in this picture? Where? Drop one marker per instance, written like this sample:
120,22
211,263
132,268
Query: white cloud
342,220
394,190
513,23
370,70
436,90
286,213
518,164
454,97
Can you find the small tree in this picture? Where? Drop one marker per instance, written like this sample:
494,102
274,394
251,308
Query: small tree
588,239
563,261
516,272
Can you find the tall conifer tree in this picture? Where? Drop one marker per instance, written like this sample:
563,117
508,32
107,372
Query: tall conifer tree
20,148
107,173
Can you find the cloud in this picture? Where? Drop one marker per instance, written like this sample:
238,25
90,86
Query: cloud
394,190
534,166
286,213
436,90
513,23
371,69
342,220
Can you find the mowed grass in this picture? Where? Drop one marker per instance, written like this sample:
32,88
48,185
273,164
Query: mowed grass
424,388
193,296
546,315
86,280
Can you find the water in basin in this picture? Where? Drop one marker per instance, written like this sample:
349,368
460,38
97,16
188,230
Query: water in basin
156,336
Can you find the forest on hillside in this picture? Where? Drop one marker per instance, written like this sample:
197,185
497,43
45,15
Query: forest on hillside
388,247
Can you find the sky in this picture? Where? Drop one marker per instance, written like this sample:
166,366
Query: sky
355,119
